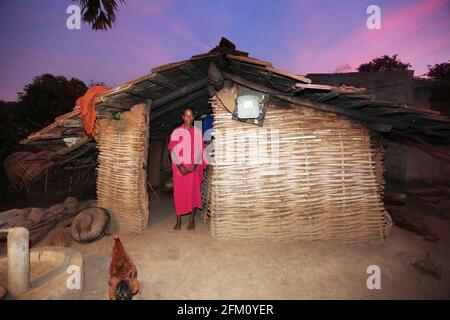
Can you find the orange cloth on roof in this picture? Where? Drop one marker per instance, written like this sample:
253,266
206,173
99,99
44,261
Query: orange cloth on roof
87,107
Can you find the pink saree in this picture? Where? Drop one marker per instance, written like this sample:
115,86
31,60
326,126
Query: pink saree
187,145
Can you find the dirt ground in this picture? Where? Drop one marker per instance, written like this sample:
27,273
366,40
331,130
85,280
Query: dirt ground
192,265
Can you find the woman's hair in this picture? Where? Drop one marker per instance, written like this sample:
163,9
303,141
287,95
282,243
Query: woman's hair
186,109
123,291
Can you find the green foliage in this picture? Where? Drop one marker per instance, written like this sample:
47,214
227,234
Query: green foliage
12,129
440,71
384,63
49,96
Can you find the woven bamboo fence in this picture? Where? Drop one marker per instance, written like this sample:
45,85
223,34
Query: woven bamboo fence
325,182
24,168
122,175
205,212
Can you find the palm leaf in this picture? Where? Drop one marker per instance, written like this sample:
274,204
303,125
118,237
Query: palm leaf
100,14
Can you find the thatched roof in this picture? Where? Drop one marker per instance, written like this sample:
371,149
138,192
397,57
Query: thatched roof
191,82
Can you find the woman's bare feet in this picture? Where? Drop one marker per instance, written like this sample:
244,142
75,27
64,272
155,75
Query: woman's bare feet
178,224
191,225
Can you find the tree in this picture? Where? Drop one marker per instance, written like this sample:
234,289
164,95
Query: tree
440,71
100,14
343,68
384,63
49,96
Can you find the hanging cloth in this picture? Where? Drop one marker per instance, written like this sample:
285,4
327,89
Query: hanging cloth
87,107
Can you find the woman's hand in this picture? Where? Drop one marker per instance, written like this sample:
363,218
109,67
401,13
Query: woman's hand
187,170
192,167
183,170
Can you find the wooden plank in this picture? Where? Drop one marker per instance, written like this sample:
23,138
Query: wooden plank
178,104
163,82
392,111
204,56
249,60
68,149
328,96
74,113
180,92
72,123
76,154
315,86
249,84
132,92
289,75
54,125
168,66
192,71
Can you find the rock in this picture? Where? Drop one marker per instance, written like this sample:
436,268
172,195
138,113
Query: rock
27,224
72,205
71,202
57,209
35,215
5,215
16,220
3,292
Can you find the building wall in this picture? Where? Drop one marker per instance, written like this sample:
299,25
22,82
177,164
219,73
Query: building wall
403,164
422,167
318,180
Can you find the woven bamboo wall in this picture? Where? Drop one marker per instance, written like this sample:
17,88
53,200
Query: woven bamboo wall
205,212
327,183
122,174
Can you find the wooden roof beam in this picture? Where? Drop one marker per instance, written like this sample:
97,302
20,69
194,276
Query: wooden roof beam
179,103
163,82
180,93
192,71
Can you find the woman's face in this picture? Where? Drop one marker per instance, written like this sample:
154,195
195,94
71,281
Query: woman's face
188,117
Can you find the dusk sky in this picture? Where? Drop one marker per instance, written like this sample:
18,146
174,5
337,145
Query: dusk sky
299,36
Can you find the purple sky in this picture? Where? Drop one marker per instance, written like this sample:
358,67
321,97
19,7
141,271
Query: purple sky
299,36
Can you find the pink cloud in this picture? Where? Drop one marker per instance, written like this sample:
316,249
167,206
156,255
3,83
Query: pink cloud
410,31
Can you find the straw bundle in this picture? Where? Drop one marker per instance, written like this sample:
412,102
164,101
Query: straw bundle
326,184
122,175
59,237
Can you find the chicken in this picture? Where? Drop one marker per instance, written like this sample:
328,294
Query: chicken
122,277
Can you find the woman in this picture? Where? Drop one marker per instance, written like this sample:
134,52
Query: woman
186,151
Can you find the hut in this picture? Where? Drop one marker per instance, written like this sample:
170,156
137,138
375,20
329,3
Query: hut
321,173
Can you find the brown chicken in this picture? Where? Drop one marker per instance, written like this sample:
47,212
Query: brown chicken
122,277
